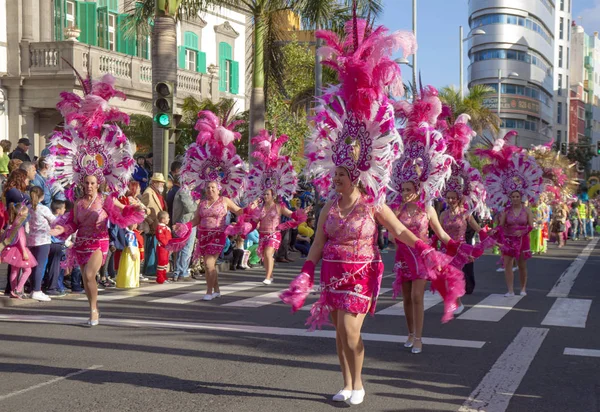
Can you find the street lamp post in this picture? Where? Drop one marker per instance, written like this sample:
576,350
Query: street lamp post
402,60
414,56
461,40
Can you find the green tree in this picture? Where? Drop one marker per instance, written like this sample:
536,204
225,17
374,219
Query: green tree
482,118
582,153
139,131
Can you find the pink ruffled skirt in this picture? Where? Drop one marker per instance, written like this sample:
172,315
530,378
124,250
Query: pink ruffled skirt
349,286
268,239
84,248
210,242
517,246
12,256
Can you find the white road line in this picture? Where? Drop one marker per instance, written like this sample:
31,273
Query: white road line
499,385
430,300
491,309
381,292
257,301
51,381
568,312
224,327
199,294
147,290
563,285
594,353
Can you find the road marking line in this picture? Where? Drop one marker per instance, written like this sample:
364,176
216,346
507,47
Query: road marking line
199,294
131,293
595,353
491,309
565,282
498,386
568,312
51,381
224,327
429,301
257,301
381,292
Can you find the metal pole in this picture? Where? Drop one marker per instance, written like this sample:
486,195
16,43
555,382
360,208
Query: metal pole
499,92
165,165
460,58
414,57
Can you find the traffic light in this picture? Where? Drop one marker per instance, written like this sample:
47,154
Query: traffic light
598,148
563,148
164,105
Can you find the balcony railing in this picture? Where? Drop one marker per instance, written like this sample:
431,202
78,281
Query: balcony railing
46,59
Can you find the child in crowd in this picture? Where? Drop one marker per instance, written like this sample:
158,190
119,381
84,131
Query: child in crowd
163,235
54,273
238,253
140,241
38,240
129,262
16,253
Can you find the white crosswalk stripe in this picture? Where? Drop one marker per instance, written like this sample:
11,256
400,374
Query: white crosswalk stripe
197,295
146,290
491,309
430,300
571,313
257,301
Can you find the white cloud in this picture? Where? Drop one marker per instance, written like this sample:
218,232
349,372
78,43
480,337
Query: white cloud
589,17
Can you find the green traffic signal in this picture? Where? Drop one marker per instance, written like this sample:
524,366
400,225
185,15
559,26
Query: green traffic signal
163,119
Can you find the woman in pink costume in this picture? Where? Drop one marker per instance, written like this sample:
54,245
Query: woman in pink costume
211,165
91,152
512,177
351,151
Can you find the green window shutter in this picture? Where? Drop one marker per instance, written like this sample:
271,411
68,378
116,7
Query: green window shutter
190,40
181,56
113,5
201,62
224,55
87,21
60,19
103,27
125,44
234,77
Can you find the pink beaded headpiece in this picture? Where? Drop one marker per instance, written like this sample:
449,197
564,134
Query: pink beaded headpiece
270,170
464,180
213,158
90,143
512,169
424,162
355,120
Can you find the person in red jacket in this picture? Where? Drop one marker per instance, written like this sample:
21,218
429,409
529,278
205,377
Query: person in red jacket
163,235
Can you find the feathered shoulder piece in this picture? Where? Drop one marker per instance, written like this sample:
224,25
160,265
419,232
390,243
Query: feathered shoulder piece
558,173
91,143
213,157
425,161
354,123
271,170
511,169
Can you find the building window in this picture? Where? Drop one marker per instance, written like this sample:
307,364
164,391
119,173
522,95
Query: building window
569,30
558,136
562,5
561,28
569,6
560,84
568,52
530,23
560,55
190,59
559,113
581,113
70,15
112,24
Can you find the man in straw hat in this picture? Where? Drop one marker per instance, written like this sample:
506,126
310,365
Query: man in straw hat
153,200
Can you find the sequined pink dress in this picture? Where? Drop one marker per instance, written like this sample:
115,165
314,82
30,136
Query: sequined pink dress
352,269
211,230
514,245
91,223
455,225
267,229
408,265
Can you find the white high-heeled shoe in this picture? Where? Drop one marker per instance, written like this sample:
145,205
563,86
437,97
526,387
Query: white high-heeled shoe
416,350
409,340
95,322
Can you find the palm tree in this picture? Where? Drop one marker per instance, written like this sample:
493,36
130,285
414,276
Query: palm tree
482,118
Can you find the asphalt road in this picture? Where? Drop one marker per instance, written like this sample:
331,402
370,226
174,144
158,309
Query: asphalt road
159,348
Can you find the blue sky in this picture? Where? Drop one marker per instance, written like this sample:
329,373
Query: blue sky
437,33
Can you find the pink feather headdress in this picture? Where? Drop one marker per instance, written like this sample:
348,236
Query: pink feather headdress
355,120
556,169
90,143
464,180
424,162
271,170
213,158
512,169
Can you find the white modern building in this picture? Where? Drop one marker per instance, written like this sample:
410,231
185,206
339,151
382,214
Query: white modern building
36,36
523,54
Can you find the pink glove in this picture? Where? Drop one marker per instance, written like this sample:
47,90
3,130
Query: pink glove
422,247
483,234
296,294
452,247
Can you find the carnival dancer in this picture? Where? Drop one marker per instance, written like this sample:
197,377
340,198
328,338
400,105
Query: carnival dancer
212,166
351,151
465,196
273,178
511,178
92,151
418,176
536,237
